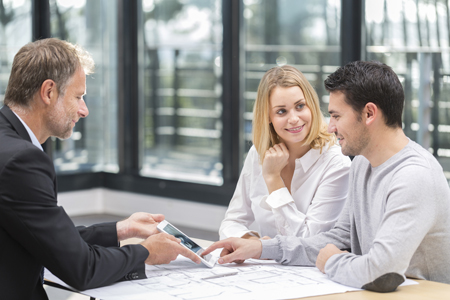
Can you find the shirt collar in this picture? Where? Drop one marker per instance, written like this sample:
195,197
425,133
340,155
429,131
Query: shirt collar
34,140
310,158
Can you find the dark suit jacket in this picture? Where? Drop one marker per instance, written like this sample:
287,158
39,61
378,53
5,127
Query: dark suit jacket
36,232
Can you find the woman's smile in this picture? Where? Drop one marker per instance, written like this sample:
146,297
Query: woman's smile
295,129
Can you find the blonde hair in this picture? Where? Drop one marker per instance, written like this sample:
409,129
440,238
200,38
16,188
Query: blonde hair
264,135
41,60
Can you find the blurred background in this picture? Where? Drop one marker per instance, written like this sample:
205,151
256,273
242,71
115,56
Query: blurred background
171,99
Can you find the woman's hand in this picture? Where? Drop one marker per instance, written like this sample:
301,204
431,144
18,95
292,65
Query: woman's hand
275,160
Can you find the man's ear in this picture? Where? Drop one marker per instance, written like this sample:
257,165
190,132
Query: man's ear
371,113
48,91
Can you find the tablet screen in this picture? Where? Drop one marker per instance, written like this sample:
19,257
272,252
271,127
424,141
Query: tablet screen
190,244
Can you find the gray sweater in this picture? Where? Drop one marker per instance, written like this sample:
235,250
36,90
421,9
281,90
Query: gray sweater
396,223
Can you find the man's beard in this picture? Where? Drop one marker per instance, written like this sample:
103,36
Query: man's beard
59,124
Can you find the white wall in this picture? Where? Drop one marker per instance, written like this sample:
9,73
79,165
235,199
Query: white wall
105,201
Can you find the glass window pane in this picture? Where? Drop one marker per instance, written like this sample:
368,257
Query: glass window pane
301,33
93,25
413,38
181,90
15,16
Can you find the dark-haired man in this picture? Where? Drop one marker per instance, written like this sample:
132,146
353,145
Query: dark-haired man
396,221
44,98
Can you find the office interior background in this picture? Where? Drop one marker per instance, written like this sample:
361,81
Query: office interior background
171,99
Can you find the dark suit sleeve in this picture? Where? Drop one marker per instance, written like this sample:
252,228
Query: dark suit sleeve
32,217
104,234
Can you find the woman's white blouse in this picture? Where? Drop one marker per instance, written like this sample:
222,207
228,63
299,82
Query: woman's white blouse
318,187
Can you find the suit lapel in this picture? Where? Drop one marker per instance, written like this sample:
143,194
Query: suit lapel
15,122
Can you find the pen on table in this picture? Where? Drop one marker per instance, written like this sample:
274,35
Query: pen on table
220,275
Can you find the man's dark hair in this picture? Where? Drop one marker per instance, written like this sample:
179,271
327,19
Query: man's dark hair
370,81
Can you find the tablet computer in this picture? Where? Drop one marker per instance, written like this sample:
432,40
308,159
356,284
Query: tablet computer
207,260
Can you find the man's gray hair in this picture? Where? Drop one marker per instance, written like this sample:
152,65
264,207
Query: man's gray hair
41,60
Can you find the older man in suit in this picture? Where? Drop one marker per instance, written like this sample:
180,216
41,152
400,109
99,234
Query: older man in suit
44,98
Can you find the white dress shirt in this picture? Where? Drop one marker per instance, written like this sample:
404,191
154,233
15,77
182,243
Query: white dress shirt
318,192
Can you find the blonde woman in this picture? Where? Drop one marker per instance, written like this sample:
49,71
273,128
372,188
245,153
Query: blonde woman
294,180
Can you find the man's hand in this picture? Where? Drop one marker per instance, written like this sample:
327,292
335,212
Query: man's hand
324,254
139,225
236,250
163,248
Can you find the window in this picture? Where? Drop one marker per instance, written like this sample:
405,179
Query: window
172,97
413,38
93,145
181,90
15,16
304,34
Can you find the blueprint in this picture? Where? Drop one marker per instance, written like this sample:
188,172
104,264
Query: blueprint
255,279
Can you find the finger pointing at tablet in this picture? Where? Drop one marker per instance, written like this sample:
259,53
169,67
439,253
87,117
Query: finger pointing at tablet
236,249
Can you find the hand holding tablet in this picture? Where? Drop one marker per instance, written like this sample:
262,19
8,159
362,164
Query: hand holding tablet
168,228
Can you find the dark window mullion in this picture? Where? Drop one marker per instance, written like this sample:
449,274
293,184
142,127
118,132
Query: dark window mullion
40,30
231,116
128,87
352,30
40,20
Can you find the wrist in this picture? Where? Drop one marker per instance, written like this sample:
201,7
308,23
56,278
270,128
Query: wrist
270,176
122,230
258,254
274,183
